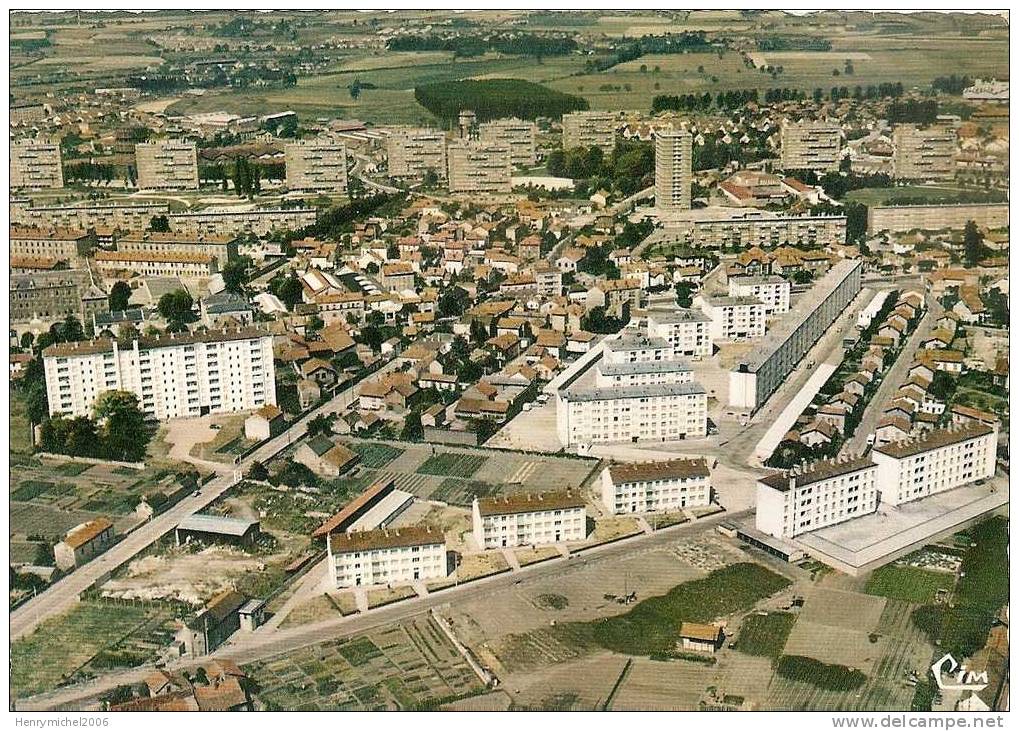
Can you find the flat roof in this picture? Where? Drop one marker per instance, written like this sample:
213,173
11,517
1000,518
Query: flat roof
680,314
636,341
530,502
167,340
758,279
221,524
935,440
658,366
732,301
654,390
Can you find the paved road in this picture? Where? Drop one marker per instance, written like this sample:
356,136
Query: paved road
358,172
893,379
267,642
63,594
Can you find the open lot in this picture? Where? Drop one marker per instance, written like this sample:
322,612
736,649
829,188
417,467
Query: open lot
398,667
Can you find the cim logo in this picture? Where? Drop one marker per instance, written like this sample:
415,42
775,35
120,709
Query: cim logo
949,675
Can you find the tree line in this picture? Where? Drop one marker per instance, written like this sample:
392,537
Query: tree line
467,45
496,98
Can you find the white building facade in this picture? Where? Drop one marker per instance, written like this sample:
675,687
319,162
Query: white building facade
772,290
647,487
388,556
529,519
318,166
687,330
173,376
734,318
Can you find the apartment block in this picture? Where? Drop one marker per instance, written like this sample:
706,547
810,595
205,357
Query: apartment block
413,152
166,165
687,330
57,244
673,169
475,167
923,153
772,290
386,556
518,135
589,129
638,390
649,487
36,164
816,496
529,519
759,228
935,217
316,166
764,369
173,376
170,264
260,221
219,247
126,217
810,145
940,460
734,318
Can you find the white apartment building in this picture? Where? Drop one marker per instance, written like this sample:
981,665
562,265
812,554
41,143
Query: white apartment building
413,152
772,290
589,129
173,376
220,247
810,145
36,164
673,169
518,135
475,167
687,330
940,460
706,228
816,496
155,264
923,153
734,318
167,165
639,390
127,217
59,244
317,166
648,487
386,556
529,519
761,372
260,221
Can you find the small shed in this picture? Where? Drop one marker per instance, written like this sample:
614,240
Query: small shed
697,637
217,529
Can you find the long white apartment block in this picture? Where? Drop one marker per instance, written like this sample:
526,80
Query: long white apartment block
589,129
518,135
386,556
529,519
318,166
673,169
475,167
760,373
85,216
414,152
688,331
772,290
940,460
173,376
36,164
166,165
815,496
734,318
638,390
647,487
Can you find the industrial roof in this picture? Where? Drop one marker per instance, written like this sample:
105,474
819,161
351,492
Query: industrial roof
220,524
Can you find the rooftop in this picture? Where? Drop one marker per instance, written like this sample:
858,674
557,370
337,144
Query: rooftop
530,502
167,340
373,540
651,391
934,440
808,474
220,524
82,534
664,470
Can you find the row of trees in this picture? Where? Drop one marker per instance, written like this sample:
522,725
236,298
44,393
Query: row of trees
628,168
467,45
496,98
685,42
117,431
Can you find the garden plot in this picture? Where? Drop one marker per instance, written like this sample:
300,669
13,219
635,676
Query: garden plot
375,455
662,686
577,685
403,666
744,675
835,627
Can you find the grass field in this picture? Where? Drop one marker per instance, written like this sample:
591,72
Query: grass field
20,429
452,464
765,635
462,492
652,626
932,193
98,635
908,583
375,455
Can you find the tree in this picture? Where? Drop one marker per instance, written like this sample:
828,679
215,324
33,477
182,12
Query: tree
430,179
258,472
27,338
235,273
321,424
413,431
684,294
452,302
288,288
71,330
120,295
175,307
973,244
160,224
122,423
802,276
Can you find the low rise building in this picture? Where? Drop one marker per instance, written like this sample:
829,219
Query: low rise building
648,487
83,543
529,519
386,556
59,244
222,248
687,330
115,264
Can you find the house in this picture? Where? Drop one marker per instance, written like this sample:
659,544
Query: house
892,429
963,415
856,384
504,347
579,342
819,432
438,381
308,393
212,625
324,457
697,637
434,416
267,422
83,543
397,276
319,371
834,416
